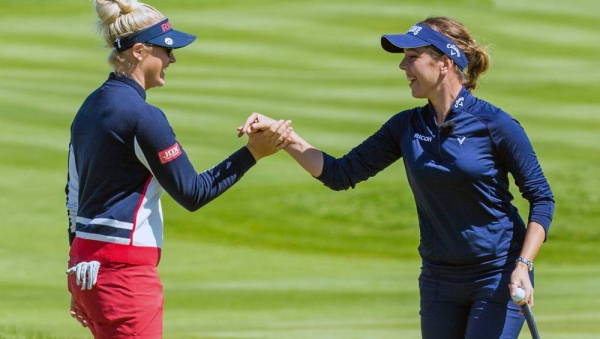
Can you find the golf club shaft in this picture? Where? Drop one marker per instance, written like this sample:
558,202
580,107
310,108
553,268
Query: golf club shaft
530,321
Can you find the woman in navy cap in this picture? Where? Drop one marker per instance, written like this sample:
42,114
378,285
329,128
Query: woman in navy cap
123,155
458,152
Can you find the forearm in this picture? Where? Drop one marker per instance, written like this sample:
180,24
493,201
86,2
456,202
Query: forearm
536,234
310,158
520,277
193,190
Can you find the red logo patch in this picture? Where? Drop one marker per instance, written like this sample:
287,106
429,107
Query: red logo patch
166,26
170,153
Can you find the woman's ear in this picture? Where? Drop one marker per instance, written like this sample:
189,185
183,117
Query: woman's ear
447,65
137,51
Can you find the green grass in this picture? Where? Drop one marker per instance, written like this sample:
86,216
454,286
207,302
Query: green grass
279,255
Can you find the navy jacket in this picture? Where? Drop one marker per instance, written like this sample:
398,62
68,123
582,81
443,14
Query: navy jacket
123,155
459,176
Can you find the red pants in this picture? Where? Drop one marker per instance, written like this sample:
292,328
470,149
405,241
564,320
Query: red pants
126,302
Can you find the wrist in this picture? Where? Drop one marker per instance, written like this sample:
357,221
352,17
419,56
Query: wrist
253,152
522,261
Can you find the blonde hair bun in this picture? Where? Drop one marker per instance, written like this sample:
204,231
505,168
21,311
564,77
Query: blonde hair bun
109,10
118,18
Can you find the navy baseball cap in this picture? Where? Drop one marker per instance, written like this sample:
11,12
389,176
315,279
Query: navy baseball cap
421,35
160,34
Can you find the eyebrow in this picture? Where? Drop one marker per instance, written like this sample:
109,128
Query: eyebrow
413,50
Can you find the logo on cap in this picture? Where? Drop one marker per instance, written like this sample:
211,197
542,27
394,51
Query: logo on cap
453,50
168,41
415,29
166,26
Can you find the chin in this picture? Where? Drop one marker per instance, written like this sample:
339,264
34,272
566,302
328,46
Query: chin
415,92
159,83
155,84
417,95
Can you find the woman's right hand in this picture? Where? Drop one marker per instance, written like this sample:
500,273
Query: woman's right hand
310,158
255,122
77,314
265,135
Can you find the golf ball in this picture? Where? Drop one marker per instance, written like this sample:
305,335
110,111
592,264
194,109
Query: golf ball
520,295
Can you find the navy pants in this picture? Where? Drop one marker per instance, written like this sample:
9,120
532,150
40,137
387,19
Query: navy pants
468,305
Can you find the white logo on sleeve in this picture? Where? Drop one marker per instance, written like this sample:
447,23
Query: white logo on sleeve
461,139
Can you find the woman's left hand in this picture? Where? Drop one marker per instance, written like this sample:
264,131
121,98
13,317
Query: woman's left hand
520,279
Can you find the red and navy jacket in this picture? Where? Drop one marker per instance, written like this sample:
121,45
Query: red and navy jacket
123,155
459,176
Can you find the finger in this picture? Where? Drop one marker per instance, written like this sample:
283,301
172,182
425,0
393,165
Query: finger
278,129
288,133
253,118
269,125
75,315
84,275
285,131
78,274
284,139
90,279
518,294
262,125
269,128
284,144
513,286
92,274
82,321
95,275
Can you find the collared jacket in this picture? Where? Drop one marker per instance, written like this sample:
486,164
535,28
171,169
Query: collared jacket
459,176
123,155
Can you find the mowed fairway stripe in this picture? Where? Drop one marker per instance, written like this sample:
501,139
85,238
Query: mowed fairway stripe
280,256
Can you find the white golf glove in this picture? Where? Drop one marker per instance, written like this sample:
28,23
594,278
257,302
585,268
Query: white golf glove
87,274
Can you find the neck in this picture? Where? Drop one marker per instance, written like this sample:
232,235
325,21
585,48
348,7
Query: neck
443,100
134,71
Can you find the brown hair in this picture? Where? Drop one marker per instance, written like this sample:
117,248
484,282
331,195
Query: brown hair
479,59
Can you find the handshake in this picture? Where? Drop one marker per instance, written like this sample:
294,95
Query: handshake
266,136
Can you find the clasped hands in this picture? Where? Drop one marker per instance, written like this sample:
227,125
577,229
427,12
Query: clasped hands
265,135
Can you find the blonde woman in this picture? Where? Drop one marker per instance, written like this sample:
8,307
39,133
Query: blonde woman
123,155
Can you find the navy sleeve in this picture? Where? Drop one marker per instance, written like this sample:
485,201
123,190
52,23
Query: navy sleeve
367,159
518,157
157,146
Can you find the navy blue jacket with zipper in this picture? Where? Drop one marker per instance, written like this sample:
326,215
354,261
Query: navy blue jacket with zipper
459,179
